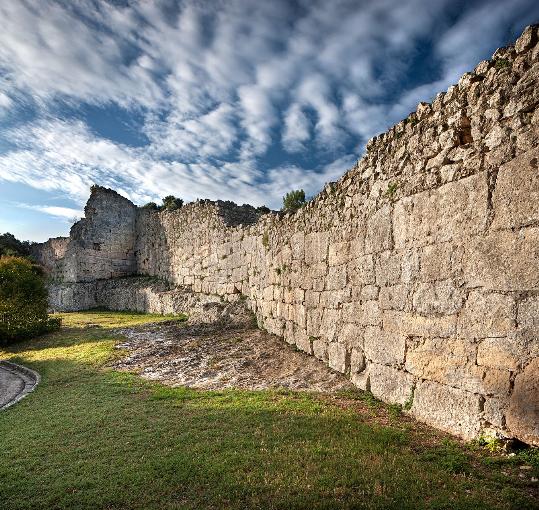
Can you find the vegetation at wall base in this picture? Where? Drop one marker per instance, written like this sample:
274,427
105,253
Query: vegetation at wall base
93,438
23,301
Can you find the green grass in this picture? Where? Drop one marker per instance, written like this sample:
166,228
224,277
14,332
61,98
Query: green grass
93,438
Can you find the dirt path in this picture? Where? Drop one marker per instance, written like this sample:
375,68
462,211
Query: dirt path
223,355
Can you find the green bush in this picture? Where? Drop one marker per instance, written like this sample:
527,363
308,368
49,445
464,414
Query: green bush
23,301
293,200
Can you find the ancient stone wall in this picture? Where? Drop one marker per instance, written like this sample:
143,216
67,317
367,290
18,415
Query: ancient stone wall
417,273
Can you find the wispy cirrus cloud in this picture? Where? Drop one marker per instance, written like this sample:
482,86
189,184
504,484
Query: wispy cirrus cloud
238,100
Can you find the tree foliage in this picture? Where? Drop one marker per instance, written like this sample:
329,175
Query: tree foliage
10,245
23,300
293,200
171,203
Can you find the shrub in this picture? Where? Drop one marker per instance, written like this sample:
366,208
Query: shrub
293,200
23,301
151,206
171,203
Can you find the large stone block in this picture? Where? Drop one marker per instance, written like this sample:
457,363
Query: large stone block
316,247
450,409
516,197
394,297
441,297
505,353
382,347
503,260
378,235
454,210
390,384
411,324
523,413
487,315
338,357
448,361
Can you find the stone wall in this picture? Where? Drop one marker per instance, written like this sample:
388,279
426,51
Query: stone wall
417,273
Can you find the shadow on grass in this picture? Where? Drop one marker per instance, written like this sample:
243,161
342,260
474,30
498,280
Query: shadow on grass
94,438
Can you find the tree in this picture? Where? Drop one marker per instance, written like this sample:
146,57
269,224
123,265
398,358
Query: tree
23,300
10,245
293,200
171,203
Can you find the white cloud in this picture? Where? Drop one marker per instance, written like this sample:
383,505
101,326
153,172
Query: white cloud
66,213
233,95
296,129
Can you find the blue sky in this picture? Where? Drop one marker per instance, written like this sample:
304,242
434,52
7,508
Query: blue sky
233,99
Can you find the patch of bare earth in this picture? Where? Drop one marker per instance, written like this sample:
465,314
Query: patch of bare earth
229,353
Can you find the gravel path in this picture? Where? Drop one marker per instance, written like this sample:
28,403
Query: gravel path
16,382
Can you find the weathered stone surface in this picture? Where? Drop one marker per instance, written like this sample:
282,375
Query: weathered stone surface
523,413
390,384
338,357
441,297
505,353
382,347
453,210
447,361
448,408
378,236
501,260
517,192
487,315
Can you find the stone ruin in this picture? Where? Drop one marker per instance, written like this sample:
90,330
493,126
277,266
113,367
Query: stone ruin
416,274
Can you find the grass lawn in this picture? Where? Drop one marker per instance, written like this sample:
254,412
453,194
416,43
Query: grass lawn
93,438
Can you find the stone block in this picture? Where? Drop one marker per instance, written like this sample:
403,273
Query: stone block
390,384
316,247
487,315
351,335
522,415
454,210
410,324
515,200
320,349
357,361
494,411
339,253
361,271
505,353
441,297
393,298
369,292
383,347
450,409
388,268
338,357
501,260
378,234
336,278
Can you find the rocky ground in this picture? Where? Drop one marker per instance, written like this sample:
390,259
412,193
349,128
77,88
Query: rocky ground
229,353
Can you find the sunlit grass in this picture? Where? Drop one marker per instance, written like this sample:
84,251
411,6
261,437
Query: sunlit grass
93,438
